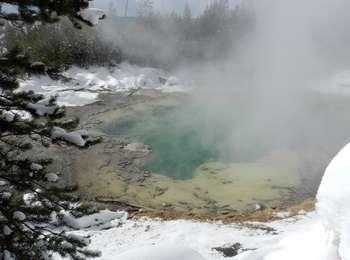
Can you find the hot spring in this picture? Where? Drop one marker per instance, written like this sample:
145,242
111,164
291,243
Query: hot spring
181,140
203,161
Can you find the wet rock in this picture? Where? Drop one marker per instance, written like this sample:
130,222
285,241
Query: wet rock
160,191
230,251
260,206
38,67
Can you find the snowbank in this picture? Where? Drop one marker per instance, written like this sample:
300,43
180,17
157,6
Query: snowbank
83,85
77,137
92,15
161,252
333,201
99,218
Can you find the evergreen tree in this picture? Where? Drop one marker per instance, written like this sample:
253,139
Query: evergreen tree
145,8
187,13
32,208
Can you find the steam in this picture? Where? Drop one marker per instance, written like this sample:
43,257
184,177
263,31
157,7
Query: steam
262,94
265,94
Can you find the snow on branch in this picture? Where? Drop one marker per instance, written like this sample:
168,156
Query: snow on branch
77,137
92,16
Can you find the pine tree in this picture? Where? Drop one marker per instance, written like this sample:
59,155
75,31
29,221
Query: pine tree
32,208
145,8
187,13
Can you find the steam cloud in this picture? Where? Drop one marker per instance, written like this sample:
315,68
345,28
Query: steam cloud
264,93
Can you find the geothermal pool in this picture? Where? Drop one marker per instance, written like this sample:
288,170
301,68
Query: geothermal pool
183,138
202,164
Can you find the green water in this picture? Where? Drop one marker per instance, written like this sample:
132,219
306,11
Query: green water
181,139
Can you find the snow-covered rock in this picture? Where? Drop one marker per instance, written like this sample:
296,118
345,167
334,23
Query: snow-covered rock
36,167
75,137
7,116
92,15
161,252
51,177
84,85
28,198
8,255
99,218
19,215
7,230
42,109
3,182
12,115
23,115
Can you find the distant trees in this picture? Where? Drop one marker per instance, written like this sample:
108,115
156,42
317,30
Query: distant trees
167,40
187,13
145,8
60,45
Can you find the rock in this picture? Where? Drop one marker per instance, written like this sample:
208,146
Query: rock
260,206
38,67
230,251
137,147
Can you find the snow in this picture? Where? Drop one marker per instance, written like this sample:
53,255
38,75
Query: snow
36,167
28,198
92,15
41,109
344,245
23,115
7,230
284,214
151,238
311,243
333,200
3,182
8,255
83,86
8,116
162,252
99,218
12,115
51,177
19,215
74,137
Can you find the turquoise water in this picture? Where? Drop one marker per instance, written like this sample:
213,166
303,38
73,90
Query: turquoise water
181,139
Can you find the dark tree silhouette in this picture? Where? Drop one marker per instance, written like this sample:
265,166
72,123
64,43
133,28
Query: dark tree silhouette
30,11
32,207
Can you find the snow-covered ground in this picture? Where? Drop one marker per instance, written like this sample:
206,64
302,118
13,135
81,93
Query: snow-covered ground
147,239
83,85
320,235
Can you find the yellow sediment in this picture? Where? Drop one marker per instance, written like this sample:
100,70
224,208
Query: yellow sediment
219,186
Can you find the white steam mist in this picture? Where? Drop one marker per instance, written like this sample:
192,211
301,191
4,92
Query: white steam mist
271,80
263,94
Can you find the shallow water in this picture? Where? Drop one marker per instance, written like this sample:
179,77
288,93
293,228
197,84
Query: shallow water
180,139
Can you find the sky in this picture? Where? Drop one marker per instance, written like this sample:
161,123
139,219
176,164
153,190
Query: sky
162,6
